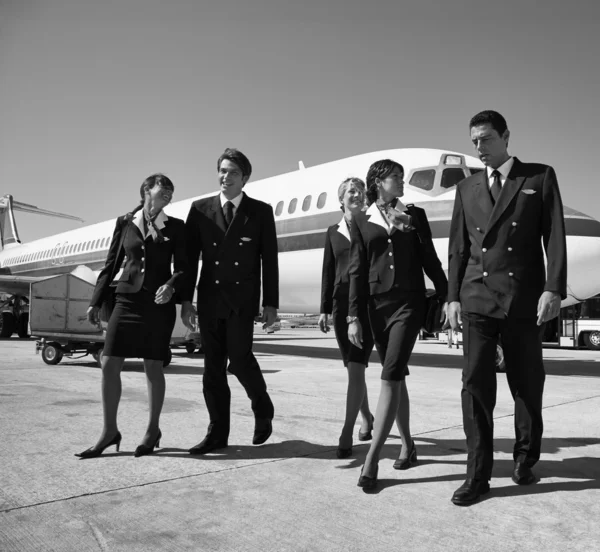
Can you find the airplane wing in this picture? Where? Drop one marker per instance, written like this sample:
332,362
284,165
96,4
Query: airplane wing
17,285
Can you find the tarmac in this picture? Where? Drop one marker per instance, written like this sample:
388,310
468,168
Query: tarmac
292,493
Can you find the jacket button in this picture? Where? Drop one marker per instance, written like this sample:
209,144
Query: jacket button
390,253
241,243
510,248
389,241
237,282
485,273
514,223
216,262
484,250
142,258
236,264
478,229
216,281
215,244
142,271
391,266
511,274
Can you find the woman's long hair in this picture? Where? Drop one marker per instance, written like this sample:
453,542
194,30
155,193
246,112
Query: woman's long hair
379,170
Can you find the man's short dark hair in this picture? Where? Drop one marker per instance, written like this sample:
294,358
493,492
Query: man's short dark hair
237,157
493,118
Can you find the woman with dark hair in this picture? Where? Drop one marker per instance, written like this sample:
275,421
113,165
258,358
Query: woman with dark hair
391,247
334,302
143,318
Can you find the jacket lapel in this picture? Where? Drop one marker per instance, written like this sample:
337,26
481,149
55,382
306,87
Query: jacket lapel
216,214
374,216
343,229
138,223
482,195
510,188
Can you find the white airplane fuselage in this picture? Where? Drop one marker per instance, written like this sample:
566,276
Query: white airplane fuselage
306,203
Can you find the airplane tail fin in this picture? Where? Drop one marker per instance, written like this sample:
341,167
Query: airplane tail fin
9,234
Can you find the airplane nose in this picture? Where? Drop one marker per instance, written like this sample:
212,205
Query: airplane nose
583,255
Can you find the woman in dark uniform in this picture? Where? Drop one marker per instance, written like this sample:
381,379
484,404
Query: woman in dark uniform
143,318
389,251
334,301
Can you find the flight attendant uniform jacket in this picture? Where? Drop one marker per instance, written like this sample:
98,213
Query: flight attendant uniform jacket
233,258
496,257
147,263
380,261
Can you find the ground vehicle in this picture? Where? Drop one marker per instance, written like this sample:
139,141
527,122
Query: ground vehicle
58,318
580,324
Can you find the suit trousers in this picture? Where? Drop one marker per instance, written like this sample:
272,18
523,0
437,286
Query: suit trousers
521,340
230,338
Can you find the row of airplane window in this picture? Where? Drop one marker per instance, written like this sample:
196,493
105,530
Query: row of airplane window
60,251
306,203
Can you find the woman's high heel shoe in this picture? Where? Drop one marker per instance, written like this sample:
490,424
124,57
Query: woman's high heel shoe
143,450
366,482
409,461
94,453
367,435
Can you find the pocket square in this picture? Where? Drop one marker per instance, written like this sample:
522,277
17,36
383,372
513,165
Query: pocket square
165,238
529,192
246,239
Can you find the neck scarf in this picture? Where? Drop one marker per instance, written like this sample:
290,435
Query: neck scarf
393,213
151,228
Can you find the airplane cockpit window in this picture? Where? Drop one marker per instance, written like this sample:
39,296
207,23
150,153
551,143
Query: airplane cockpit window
292,206
306,203
423,179
279,209
451,177
321,201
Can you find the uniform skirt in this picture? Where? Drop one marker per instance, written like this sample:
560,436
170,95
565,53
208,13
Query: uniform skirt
396,318
351,353
139,328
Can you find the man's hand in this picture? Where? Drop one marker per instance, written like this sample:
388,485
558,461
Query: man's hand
93,315
455,316
164,294
188,315
548,307
323,323
444,316
355,334
269,317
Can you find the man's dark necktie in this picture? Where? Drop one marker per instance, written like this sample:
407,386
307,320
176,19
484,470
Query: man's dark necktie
496,186
228,212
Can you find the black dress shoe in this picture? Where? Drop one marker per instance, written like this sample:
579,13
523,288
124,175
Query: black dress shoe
263,428
367,435
522,475
208,445
344,452
366,482
470,491
144,450
409,461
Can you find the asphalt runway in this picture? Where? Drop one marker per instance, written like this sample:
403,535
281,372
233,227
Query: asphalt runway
291,494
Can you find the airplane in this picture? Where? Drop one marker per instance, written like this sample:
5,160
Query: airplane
305,204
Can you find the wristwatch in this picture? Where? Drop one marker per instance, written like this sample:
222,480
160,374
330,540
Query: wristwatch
350,319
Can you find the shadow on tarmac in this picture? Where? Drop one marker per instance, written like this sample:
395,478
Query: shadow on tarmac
561,367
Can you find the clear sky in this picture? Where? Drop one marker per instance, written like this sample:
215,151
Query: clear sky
97,95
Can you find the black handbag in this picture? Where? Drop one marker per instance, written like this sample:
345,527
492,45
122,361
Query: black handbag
433,312
108,303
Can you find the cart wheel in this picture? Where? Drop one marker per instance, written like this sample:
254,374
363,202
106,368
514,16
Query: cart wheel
167,361
98,357
190,348
51,354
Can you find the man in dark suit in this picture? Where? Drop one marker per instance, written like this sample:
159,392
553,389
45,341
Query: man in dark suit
499,289
236,236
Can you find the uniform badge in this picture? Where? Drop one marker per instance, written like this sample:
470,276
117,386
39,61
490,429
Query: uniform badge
529,192
246,239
